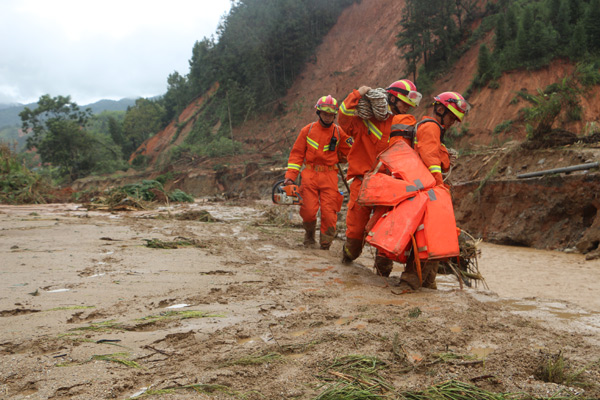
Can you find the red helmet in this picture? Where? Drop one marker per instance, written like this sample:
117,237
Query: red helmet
406,91
327,104
454,102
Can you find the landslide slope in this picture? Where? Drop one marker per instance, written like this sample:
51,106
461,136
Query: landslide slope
490,201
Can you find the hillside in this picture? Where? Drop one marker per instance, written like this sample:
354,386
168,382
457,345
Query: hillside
356,53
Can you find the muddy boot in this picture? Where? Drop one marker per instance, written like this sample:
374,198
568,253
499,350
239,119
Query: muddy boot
383,266
351,250
327,238
430,270
410,276
402,288
309,235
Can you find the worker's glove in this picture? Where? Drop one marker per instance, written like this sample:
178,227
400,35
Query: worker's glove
453,154
287,182
363,89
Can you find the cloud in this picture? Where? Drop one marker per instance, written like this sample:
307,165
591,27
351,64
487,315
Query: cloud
92,50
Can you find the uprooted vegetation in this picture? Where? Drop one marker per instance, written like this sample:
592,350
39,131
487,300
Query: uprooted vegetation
136,196
19,185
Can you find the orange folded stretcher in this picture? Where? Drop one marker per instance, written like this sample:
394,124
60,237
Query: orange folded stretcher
416,208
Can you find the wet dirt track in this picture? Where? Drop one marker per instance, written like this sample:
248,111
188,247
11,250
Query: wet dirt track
78,287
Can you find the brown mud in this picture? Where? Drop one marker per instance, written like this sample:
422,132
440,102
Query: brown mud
88,311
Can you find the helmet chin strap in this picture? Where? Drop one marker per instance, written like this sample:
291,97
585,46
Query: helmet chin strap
393,105
441,115
323,122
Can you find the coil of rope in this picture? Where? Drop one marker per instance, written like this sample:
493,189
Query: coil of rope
373,104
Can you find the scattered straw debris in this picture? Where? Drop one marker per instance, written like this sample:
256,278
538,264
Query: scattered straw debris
175,244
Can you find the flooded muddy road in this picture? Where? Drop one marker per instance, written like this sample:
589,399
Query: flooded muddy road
237,308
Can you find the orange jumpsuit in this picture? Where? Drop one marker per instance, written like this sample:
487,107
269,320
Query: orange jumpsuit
319,185
370,138
432,151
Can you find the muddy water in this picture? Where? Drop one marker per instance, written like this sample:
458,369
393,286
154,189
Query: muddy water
518,272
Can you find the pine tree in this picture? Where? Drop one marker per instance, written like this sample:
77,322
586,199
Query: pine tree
484,65
578,44
562,25
512,25
592,26
500,39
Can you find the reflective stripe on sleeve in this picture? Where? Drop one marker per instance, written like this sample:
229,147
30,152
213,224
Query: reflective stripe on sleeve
435,168
346,111
294,166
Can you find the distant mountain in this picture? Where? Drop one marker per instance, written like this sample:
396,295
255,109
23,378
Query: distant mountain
9,113
110,105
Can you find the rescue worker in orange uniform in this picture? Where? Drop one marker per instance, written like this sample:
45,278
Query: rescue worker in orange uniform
448,108
371,137
319,146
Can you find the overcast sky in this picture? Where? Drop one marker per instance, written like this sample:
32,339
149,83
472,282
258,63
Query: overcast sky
94,50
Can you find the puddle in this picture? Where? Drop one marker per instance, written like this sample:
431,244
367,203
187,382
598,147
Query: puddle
344,321
295,356
300,333
518,305
320,270
253,339
481,352
566,315
558,311
386,302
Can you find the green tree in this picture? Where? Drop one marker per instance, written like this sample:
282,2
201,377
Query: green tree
58,132
592,26
524,43
501,35
69,147
177,97
578,46
37,122
141,122
484,66
562,25
577,10
512,24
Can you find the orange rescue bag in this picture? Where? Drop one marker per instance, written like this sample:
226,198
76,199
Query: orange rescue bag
438,239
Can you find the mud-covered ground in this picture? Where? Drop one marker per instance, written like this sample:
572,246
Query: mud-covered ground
88,311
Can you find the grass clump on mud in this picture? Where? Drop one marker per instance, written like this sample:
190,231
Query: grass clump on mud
173,244
555,368
255,359
19,185
137,196
187,314
120,358
357,377
354,377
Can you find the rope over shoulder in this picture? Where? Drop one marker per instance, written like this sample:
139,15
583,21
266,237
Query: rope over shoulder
373,104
